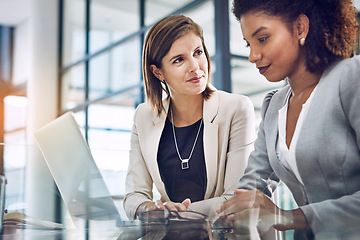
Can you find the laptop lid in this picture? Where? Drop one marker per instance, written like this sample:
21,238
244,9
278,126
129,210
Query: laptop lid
74,170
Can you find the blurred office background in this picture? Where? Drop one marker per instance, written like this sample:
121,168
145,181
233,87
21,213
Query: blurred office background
85,56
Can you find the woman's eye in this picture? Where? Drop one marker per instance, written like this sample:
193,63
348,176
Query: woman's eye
262,39
177,60
198,52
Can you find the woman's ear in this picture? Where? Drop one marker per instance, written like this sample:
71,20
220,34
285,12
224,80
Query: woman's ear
302,26
157,72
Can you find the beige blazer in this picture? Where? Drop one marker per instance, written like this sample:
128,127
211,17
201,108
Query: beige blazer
229,134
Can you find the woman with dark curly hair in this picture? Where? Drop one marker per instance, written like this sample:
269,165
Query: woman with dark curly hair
309,137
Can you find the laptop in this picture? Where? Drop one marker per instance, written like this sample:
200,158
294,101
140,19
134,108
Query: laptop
75,172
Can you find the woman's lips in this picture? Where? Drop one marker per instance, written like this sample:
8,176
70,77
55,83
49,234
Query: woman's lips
195,79
262,70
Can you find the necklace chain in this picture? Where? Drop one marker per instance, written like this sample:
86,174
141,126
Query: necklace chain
184,162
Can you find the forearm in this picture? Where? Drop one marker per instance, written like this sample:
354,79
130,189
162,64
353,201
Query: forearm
132,201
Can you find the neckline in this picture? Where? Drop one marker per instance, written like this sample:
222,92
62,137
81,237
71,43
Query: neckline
188,126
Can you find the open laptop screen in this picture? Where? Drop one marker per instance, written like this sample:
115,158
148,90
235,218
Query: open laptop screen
74,170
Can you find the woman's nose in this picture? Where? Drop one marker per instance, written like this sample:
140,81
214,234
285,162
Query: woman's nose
254,56
194,64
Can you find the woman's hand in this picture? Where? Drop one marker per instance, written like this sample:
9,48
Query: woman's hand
237,208
172,206
159,205
145,207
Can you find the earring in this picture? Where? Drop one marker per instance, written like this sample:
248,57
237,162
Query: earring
302,41
163,81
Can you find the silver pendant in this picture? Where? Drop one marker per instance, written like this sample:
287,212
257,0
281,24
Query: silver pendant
184,163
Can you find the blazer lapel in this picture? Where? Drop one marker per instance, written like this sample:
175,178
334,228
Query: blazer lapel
272,129
287,177
310,126
271,121
210,141
153,139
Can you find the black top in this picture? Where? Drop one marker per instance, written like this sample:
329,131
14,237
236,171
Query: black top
182,183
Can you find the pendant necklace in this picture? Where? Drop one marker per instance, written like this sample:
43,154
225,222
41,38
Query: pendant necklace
185,161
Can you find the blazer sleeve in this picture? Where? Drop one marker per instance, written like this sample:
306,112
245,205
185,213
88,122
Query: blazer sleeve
350,95
259,169
138,183
240,144
341,216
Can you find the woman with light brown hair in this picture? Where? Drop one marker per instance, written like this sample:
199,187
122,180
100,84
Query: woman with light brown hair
189,139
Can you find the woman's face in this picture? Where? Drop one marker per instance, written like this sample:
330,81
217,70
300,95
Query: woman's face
273,47
184,67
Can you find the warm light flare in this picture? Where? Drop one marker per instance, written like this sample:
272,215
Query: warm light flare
16,101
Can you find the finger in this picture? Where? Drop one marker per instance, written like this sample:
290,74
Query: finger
151,206
180,207
230,217
248,195
187,203
239,191
159,205
219,208
236,204
224,206
170,206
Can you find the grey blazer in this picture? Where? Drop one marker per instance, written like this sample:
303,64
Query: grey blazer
229,135
327,154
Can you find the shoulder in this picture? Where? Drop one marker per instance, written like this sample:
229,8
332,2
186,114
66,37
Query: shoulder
349,82
344,68
144,107
232,99
343,75
350,68
224,105
144,111
353,62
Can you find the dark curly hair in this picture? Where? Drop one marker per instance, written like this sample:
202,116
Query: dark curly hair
333,28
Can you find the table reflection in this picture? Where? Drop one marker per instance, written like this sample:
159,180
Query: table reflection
173,231
184,230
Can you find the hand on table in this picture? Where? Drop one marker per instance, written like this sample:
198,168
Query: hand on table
246,203
250,207
159,205
172,206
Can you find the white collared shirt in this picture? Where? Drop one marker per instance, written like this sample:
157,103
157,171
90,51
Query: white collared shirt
287,155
